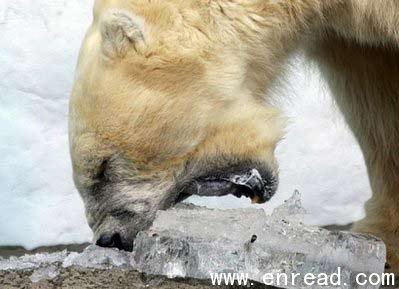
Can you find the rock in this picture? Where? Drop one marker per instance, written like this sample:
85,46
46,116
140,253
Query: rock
46,273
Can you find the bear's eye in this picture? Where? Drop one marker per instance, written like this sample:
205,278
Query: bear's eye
101,175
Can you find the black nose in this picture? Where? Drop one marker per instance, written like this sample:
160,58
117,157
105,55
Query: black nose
114,240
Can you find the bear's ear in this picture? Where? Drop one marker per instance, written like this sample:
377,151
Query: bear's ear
121,31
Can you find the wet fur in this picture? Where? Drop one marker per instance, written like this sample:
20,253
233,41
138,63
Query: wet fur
167,89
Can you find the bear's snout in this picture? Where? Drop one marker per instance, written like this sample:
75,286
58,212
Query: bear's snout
114,240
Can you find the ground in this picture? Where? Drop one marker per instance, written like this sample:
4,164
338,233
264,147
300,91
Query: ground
112,279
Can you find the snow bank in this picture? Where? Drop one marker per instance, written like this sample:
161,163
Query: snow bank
39,43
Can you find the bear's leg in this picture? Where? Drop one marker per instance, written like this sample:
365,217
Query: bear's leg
365,83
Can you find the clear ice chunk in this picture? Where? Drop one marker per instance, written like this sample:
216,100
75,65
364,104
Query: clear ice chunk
195,242
47,265
31,261
291,210
190,241
99,258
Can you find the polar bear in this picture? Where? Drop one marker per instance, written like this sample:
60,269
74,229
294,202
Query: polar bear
169,100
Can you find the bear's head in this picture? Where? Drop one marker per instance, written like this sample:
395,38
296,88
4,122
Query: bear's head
168,102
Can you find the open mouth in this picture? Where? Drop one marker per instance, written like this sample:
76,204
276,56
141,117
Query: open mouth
250,184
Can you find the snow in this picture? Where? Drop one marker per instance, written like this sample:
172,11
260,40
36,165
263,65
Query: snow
39,44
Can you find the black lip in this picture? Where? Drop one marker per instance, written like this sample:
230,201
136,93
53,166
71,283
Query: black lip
259,186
